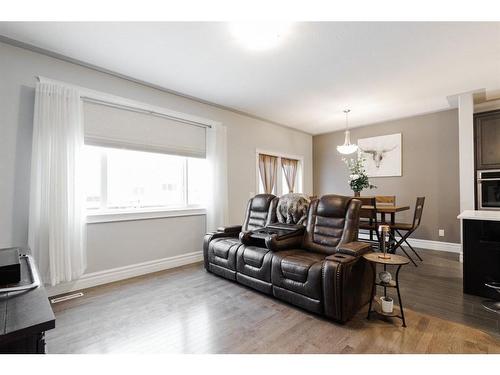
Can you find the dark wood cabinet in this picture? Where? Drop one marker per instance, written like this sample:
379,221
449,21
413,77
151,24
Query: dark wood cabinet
24,318
487,139
481,255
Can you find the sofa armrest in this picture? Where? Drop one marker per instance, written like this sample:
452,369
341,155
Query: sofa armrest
230,229
355,248
347,281
245,237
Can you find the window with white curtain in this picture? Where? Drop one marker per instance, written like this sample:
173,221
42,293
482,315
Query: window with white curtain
118,179
281,187
138,162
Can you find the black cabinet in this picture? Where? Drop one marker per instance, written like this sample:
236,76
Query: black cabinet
24,318
481,256
487,139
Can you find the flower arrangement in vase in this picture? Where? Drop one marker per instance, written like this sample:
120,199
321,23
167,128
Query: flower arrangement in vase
358,179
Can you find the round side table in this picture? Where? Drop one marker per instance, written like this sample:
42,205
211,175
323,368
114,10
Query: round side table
394,260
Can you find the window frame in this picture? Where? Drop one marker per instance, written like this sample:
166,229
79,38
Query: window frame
104,214
104,98
278,189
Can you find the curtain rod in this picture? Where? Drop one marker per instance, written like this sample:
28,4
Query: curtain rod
142,110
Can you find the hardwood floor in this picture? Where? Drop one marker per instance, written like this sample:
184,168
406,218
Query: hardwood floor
187,310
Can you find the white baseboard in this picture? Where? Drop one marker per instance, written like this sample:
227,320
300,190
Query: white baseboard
451,247
121,273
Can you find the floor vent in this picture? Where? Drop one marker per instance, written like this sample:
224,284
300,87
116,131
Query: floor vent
66,297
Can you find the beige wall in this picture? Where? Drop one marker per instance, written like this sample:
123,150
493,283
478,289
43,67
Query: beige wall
429,165
145,240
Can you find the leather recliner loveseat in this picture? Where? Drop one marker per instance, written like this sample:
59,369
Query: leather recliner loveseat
320,269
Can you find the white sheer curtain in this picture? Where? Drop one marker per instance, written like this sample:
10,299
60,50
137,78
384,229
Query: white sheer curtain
57,222
217,204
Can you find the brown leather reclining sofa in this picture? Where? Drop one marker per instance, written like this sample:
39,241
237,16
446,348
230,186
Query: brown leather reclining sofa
320,269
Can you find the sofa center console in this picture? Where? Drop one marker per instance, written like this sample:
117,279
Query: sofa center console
278,231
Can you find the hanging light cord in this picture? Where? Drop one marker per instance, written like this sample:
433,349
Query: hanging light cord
346,111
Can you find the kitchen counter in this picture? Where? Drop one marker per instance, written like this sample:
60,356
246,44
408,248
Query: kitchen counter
480,215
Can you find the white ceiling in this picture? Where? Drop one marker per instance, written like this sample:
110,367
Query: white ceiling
380,71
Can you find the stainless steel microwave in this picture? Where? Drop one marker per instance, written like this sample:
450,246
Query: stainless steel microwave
488,189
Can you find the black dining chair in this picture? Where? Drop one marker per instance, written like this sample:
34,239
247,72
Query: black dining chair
368,218
409,229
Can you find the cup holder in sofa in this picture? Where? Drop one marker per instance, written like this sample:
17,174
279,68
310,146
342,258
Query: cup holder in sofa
339,256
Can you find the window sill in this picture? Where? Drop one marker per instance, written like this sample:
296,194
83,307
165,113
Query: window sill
107,217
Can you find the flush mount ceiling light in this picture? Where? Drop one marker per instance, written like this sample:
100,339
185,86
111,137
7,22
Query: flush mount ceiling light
347,148
259,36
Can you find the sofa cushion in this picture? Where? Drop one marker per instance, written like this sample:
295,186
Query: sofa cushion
222,252
221,246
255,264
257,219
328,231
261,210
333,205
253,255
298,271
331,221
296,266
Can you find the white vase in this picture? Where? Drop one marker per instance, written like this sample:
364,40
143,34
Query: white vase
387,304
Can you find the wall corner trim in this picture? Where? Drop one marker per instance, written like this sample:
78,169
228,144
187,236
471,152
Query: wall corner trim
121,273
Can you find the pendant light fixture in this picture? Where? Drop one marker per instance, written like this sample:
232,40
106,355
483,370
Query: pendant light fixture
347,148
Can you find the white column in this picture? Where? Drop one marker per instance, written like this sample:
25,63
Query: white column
466,154
466,150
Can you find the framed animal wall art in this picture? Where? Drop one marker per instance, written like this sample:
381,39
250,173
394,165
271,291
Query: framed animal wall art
382,155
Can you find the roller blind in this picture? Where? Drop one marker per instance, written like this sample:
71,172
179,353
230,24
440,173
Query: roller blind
121,128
